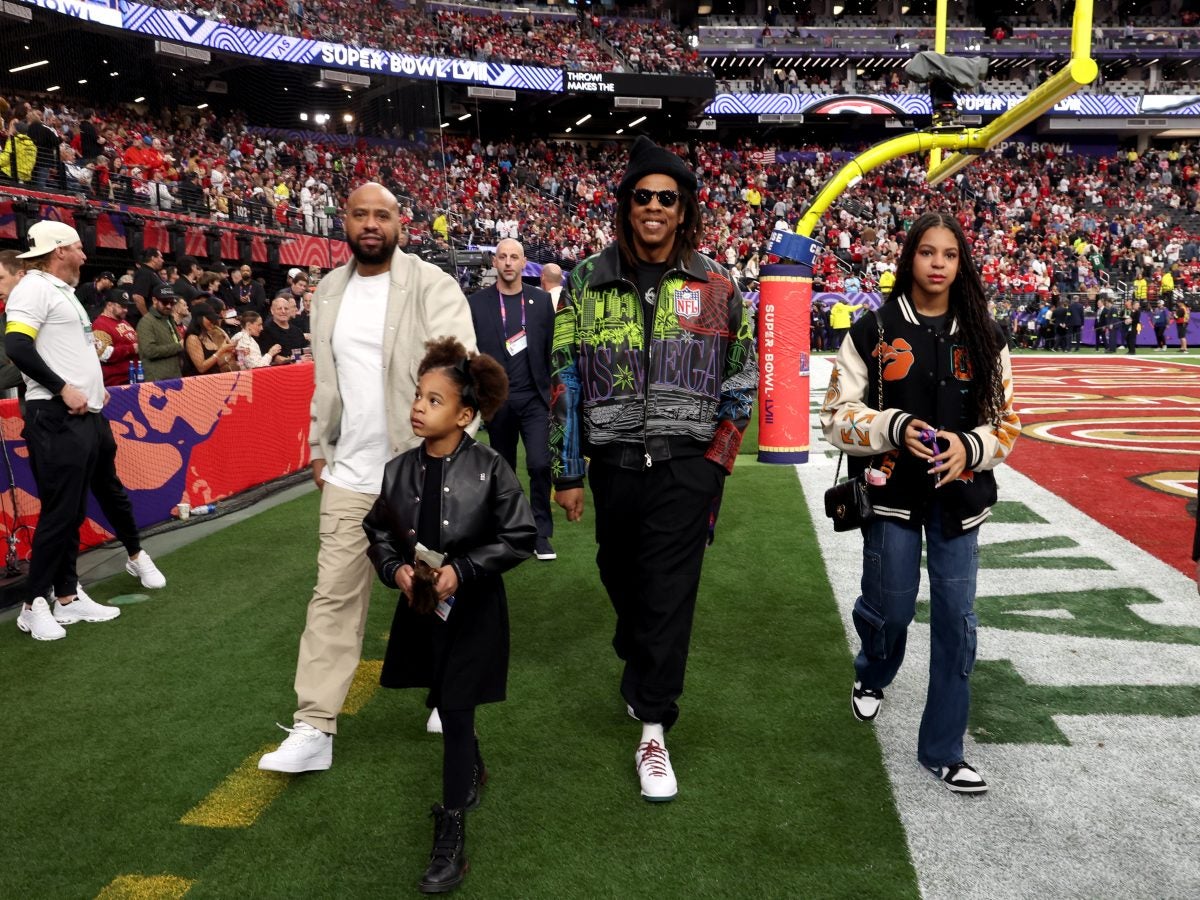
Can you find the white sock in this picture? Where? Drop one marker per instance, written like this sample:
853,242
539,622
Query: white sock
653,731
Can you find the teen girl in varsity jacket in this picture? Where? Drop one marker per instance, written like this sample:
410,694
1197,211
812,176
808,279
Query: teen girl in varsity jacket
943,366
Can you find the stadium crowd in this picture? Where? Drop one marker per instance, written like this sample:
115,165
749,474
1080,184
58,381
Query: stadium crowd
465,33
1042,222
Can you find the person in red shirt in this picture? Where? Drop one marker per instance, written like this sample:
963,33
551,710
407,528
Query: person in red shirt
123,345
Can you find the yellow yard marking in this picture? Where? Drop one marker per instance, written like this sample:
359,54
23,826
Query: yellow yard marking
245,794
364,686
241,798
145,887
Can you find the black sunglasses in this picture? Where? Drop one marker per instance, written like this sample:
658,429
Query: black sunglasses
666,199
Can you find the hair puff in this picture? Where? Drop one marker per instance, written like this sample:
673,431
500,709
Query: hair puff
481,380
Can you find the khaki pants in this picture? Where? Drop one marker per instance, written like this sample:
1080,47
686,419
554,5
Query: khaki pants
337,614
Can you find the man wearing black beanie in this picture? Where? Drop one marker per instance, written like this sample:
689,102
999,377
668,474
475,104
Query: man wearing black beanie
654,375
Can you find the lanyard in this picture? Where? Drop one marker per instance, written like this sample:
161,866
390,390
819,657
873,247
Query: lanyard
504,314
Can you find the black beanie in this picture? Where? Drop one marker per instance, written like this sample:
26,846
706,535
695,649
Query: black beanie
647,158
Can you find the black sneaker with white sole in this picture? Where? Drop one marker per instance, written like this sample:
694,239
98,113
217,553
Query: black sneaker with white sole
960,778
545,550
865,702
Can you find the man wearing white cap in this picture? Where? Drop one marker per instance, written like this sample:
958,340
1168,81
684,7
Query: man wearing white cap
71,446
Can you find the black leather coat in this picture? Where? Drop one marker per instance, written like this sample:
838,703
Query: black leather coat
487,525
487,528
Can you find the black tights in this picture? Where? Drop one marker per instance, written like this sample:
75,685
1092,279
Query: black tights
458,755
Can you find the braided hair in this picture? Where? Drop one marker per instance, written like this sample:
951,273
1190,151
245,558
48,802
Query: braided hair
968,307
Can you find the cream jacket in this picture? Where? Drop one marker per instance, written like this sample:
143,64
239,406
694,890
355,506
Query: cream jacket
423,303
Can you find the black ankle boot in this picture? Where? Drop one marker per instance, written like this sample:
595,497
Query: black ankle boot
448,860
479,777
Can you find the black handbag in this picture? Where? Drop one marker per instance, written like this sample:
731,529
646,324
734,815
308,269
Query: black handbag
849,503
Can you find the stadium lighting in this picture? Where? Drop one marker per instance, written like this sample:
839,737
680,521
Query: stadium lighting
620,131
568,130
303,117
55,88
348,117
15,69
838,9
202,106
113,74
444,125
904,10
637,121
464,117
321,118
82,81
584,119
139,99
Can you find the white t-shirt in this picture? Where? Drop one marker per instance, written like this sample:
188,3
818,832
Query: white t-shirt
363,447
62,335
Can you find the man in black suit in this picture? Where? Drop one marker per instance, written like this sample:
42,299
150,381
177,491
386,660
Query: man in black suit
1075,308
514,322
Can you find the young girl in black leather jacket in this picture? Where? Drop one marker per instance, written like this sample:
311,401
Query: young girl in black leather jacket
449,520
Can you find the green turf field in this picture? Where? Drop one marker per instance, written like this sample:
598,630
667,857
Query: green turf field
120,731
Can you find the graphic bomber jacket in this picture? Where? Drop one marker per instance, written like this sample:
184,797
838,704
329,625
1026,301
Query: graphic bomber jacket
618,395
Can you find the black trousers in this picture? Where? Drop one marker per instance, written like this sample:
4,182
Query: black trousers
652,529
526,416
71,455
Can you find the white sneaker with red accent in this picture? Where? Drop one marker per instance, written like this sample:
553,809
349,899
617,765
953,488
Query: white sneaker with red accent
655,772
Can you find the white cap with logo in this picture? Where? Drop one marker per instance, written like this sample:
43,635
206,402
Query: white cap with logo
47,236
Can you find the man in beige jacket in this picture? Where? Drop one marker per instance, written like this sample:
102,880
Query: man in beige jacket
370,320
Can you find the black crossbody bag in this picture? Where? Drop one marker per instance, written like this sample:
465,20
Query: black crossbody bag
848,503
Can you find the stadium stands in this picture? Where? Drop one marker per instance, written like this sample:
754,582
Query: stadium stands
558,197
466,31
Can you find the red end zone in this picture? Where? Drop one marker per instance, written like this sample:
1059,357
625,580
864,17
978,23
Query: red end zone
1117,438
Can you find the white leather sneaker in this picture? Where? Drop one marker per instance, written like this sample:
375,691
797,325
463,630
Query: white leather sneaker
83,609
305,749
655,772
145,571
38,622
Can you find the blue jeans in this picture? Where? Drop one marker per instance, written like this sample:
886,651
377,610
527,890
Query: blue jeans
891,575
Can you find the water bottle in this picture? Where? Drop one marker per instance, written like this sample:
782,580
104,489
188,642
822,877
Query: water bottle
204,509
141,375
132,372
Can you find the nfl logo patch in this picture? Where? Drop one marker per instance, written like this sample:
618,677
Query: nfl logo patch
687,303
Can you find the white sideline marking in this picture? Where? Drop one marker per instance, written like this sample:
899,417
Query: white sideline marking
1111,815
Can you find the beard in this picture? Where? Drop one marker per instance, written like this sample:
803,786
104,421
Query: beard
373,257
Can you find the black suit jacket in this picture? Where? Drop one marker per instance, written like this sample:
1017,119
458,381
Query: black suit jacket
539,327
